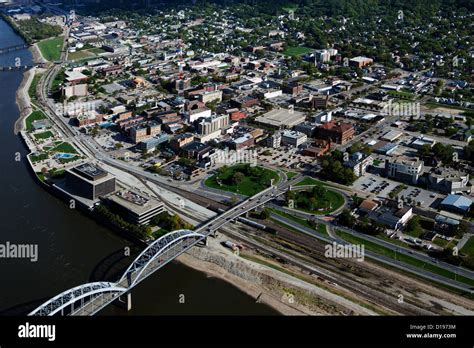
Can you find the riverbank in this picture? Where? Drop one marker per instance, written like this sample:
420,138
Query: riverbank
286,294
15,28
37,55
23,99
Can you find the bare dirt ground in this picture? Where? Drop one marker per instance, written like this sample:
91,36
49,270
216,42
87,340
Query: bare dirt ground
327,286
287,294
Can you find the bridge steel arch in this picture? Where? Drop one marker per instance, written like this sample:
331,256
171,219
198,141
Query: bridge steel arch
156,249
134,274
69,297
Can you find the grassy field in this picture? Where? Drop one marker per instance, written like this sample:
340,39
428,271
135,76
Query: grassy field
291,175
44,135
403,258
34,116
290,7
432,105
83,54
38,157
249,186
402,95
321,228
468,248
64,148
96,50
51,48
33,86
310,181
296,51
332,201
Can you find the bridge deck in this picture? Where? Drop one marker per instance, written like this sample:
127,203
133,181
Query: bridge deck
146,264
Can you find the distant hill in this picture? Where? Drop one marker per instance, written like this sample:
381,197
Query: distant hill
315,7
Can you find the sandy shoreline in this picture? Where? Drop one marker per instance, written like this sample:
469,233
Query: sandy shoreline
22,94
251,289
282,292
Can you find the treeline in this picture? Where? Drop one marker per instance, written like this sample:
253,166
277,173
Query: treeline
332,169
316,8
139,231
170,222
34,30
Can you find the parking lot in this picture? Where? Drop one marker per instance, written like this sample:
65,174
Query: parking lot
284,157
383,187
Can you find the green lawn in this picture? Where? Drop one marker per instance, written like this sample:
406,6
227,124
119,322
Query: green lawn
38,157
468,248
44,135
402,95
329,202
33,86
249,186
83,54
441,242
290,7
96,50
67,160
433,105
51,48
403,258
64,148
40,176
321,228
296,50
310,181
291,175
34,116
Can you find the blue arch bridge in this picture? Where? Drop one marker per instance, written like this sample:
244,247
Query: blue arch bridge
90,298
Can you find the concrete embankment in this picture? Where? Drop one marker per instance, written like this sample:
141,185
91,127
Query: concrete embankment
286,294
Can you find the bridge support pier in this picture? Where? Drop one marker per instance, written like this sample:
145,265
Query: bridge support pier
125,302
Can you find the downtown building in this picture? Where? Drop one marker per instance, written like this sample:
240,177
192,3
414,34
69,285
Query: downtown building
135,207
404,170
89,181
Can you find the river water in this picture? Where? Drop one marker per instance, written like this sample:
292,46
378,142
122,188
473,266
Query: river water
72,248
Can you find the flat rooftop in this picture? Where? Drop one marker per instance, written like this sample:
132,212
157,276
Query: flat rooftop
282,117
134,201
89,171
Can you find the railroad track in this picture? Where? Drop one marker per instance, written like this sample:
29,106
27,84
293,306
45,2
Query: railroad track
378,299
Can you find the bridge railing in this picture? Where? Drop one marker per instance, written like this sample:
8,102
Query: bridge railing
71,296
169,246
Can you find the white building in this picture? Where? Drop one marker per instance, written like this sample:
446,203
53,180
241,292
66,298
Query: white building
272,94
212,124
193,115
293,138
404,169
274,140
323,117
359,163
322,56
